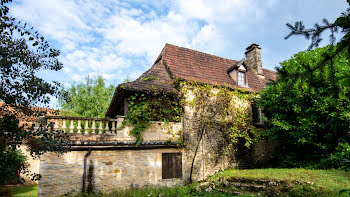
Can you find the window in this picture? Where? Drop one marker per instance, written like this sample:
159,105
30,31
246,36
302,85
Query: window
171,165
257,114
241,78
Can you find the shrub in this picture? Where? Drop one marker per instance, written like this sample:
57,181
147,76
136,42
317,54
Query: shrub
340,158
12,161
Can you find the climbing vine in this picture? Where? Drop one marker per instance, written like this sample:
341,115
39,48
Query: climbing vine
206,106
220,107
220,115
144,108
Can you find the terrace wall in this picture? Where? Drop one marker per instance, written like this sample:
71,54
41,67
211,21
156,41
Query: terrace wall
117,162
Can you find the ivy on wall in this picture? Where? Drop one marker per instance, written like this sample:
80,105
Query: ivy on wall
212,106
226,109
144,108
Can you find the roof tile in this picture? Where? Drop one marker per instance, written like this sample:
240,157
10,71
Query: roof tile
188,64
193,65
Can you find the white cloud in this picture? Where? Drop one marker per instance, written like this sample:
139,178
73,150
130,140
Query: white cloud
95,60
195,9
209,40
134,37
57,19
118,38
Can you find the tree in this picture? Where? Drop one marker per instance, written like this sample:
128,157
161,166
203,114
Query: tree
324,79
341,24
310,114
23,52
90,98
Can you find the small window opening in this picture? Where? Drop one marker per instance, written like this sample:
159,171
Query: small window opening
257,114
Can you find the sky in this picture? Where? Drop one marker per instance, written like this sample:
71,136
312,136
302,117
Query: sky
121,39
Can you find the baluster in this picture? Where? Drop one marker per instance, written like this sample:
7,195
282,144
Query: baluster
113,126
120,133
93,128
71,127
107,128
64,127
79,126
100,128
56,127
36,126
86,128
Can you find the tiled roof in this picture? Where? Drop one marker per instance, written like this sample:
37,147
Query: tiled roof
269,75
193,65
156,78
24,115
188,64
181,63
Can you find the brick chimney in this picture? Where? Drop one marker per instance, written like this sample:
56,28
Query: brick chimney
253,59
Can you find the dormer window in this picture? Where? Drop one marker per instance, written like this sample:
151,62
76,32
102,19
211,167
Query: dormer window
241,76
238,73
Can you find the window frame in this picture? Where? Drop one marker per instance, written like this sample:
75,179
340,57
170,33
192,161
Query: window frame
244,73
257,111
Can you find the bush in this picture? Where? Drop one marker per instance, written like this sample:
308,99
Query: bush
339,159
12,161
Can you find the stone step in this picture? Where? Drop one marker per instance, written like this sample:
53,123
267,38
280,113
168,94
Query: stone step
248,186
255,181
238,186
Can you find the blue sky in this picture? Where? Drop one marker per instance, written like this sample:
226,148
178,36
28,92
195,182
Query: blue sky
121,39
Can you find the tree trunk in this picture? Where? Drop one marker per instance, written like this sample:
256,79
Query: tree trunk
195,153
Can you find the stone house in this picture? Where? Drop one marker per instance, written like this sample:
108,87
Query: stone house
118,162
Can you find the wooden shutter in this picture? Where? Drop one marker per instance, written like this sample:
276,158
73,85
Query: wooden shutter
171,165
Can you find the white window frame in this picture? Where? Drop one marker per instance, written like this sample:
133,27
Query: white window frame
241,82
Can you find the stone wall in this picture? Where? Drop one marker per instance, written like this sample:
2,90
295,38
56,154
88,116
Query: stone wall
117,162
131,166
112,169
214,152
33,163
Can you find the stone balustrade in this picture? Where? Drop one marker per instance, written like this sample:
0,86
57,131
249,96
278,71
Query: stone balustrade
106,131
85,126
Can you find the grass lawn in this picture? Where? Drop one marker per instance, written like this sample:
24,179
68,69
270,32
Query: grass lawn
328,183
25,190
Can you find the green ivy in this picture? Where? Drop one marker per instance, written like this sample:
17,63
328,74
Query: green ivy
144,108
220,108
209,101
150,78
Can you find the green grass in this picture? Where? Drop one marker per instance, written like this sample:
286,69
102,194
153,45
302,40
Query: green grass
330,182
25,190
327,182
153,191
